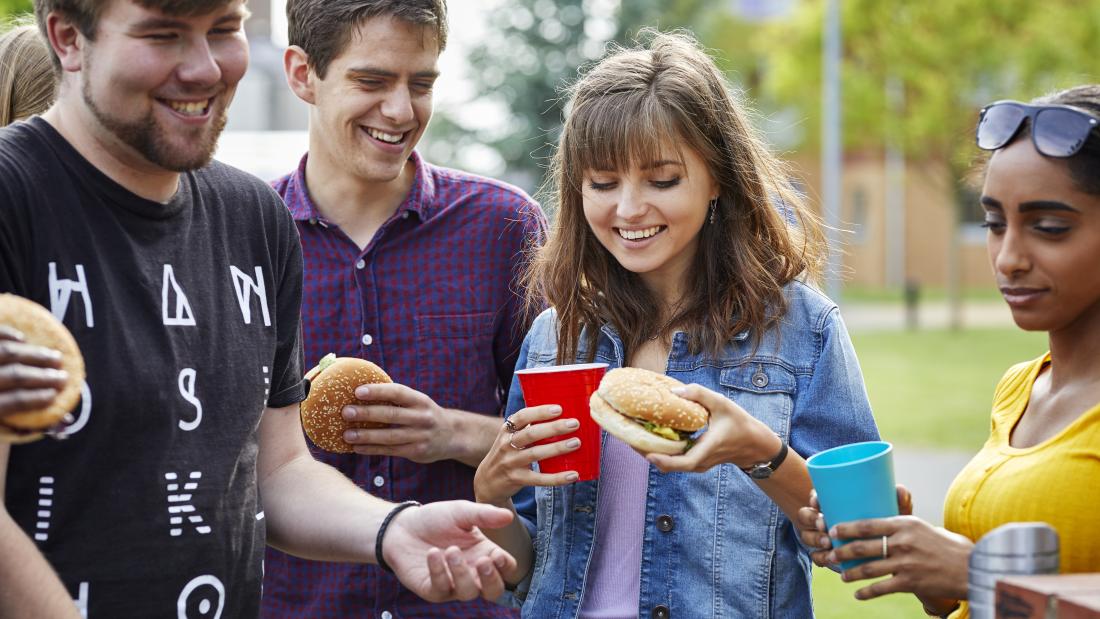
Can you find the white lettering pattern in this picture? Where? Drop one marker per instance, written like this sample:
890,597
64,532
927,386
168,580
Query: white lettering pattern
61,290
187,390
242,283
82,600
181,314
45,503
85,413
204,603
180,504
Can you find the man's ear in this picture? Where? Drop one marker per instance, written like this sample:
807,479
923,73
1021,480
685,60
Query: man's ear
66,40
299,76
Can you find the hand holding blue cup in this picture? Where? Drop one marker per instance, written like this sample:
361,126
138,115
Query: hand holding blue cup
854,482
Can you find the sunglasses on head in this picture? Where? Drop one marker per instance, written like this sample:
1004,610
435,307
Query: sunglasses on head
1056,130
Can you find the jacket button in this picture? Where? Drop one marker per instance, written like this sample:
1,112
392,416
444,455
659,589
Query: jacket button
660,612
760,380
664,525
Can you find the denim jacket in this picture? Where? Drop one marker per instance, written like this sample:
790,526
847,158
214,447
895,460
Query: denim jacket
723,549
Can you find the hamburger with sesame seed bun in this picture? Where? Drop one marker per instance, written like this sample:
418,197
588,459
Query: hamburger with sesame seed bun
637,407
332,386
40,328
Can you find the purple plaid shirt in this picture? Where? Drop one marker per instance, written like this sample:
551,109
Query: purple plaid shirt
434,301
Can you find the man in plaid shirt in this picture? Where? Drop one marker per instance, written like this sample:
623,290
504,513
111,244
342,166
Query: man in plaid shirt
412,266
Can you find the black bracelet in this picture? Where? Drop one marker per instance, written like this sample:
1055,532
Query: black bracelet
382,532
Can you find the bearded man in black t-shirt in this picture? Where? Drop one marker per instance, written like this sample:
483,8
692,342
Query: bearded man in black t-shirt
181,280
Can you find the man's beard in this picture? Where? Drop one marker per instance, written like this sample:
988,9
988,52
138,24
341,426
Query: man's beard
145,137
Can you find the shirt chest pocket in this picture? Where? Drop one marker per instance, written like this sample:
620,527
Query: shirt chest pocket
454,357
765,390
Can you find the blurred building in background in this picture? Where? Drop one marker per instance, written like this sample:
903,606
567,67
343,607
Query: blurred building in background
266,131
913,76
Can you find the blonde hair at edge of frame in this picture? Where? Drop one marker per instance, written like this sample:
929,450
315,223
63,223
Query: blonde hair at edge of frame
621,112
28,83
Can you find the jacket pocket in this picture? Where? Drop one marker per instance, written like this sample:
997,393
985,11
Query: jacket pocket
454,357
766,390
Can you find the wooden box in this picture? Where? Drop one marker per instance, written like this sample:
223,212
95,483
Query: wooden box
1038,597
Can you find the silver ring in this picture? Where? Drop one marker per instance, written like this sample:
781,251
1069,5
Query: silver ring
885,548
512,442
509,426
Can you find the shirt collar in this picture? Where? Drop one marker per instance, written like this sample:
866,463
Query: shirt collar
420,199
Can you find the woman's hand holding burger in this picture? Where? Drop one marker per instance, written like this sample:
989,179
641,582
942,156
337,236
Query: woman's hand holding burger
732,435
30,376
507,467
41,370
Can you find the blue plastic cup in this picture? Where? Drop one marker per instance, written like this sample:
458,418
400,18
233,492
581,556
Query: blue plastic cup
854,482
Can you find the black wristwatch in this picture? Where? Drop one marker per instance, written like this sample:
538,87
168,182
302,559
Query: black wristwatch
764,470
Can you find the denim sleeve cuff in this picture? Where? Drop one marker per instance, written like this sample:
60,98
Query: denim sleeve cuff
515,596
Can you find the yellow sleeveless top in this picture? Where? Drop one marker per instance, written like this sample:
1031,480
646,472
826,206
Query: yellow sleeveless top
1056,481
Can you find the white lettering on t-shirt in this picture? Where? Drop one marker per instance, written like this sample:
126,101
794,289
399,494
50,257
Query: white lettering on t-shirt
187,390
45,509
82,418
242,283
81,600
181,314
204,596
179,504
61,291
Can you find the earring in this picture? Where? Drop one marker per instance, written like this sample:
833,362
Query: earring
713,209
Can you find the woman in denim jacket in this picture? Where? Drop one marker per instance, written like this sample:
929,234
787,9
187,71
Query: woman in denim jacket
669,254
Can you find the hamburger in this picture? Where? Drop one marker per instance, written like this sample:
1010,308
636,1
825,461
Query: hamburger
40,328
332,387
637,407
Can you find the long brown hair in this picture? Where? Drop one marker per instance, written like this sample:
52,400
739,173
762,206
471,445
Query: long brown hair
27,81
620,113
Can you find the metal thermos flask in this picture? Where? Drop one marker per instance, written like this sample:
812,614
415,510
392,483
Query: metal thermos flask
1014,549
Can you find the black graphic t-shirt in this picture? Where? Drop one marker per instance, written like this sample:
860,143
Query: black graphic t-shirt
187,314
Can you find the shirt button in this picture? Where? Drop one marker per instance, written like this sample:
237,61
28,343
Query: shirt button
367,339
361,264
660,612
379,481
313,220
665,523
386,615
405,215
760,380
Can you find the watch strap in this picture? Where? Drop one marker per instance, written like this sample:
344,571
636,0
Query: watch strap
764,470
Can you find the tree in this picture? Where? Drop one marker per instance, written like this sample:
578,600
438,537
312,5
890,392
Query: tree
533,49
946,58
9,8
950,57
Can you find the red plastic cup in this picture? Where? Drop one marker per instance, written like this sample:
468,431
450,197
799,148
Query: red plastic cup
569,386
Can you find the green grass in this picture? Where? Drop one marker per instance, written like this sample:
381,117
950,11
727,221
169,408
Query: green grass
834,599
934,388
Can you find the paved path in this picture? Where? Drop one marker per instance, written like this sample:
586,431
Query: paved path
928,473
930,315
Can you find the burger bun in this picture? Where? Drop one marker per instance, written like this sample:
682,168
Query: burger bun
331,389
41,328
630,432
627,397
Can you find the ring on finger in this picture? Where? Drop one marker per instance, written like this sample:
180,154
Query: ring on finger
512,442
885,548
509,426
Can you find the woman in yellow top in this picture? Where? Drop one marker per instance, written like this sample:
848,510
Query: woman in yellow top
1042,461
